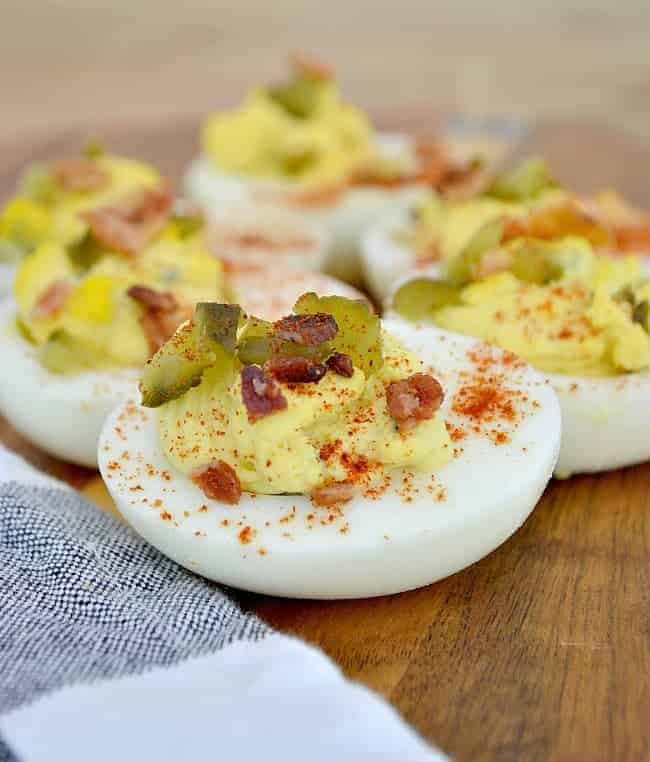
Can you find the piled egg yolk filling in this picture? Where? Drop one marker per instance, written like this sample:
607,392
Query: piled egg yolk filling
341,423
526,196
51,198
112,297
300,131
558,305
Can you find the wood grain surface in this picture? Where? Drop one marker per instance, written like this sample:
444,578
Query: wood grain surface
541,651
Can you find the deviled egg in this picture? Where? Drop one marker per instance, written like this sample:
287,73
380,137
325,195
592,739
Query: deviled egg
255,236
51,197
525,199
579,317
300,146
324,455
88,314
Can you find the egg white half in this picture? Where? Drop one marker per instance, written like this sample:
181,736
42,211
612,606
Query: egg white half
374,547
344,221
605,420
273,226
62,415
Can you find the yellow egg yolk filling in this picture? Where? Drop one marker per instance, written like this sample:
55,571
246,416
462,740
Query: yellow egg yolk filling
336,430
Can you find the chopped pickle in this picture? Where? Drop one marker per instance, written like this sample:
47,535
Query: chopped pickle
420,297
257,344
187,220
299,97
176,367
207,342
218,322
93,149
641,315
460,268
359,334
523,182
256,350
531,262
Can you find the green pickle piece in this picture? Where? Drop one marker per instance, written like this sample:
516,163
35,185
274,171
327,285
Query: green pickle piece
359,333
641,315
460,269
532,262
421,297
299,98
218,322
257,344
206,342
523,182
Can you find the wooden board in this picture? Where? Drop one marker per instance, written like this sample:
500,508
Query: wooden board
542,650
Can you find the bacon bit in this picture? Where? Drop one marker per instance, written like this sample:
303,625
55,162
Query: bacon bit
308,330
52,299
246,535
306,66
568,217
633,238
334,493
257,240
295,370
261,395
341,364
156,300
428,254
413,399
313,196
161,315
435,167
465,181
79,175
166,516
128,225
219,481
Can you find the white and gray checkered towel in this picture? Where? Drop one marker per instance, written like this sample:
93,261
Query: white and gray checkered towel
110,651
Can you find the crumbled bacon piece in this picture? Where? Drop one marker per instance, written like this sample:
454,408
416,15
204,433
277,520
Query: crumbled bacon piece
633,237
295,370
79,175
307,329
161,315
128,225
219,481
341,364
156,300
566,217
260,393
413,399
334,493
52,299
310,67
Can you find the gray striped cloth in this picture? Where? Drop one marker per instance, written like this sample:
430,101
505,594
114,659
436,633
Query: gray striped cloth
91,615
